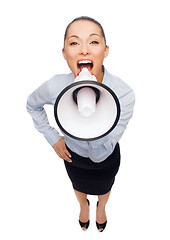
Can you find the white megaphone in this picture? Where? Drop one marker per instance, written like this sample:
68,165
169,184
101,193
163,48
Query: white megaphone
86,109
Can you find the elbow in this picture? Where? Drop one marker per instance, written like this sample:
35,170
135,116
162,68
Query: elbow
28,104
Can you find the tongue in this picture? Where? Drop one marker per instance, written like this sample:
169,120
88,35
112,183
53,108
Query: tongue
88,66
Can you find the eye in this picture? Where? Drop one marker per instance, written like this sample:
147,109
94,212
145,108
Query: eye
73,43
94,42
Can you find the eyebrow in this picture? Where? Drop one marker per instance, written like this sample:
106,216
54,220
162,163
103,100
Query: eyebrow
95,34
90,35
73,36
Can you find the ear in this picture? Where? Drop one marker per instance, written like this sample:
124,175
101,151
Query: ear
64,54
106,51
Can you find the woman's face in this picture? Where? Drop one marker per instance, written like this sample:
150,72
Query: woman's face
85,47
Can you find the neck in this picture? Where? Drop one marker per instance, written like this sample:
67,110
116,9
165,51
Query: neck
101,75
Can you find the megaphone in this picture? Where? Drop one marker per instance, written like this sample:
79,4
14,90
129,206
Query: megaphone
87,110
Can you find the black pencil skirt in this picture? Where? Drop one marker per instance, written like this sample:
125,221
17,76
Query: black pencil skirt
93,178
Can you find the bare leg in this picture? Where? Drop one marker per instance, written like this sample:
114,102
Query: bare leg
100,211
84,207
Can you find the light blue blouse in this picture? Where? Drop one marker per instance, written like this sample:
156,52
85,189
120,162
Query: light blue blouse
97,150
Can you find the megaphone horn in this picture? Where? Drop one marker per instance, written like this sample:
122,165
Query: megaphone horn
87,109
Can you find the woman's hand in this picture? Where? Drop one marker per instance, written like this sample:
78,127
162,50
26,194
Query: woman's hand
61,150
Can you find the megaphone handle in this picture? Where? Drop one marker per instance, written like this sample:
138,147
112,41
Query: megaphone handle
75,92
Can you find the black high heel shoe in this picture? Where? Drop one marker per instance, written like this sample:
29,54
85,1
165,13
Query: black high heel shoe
102,225
85,224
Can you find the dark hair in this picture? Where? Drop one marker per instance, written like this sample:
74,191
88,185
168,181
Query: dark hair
85,18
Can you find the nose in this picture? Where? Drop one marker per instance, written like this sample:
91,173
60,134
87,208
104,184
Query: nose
85,49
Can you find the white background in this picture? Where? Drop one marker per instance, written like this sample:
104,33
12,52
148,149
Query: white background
36,196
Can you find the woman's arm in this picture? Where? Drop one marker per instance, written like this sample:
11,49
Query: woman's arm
127,104
35,107
100,148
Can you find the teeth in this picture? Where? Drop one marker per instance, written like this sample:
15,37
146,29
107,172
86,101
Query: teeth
85,62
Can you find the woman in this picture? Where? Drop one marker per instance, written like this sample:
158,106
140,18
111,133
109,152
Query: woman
91,166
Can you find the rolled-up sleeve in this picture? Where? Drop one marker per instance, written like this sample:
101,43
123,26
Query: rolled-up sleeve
35,107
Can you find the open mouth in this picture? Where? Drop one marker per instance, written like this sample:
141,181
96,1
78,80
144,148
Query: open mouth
85,64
